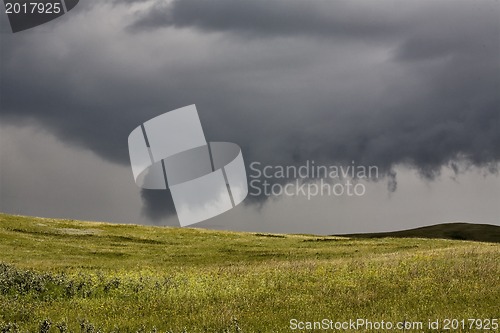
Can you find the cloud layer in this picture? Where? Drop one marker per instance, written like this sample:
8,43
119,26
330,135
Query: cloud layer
379,83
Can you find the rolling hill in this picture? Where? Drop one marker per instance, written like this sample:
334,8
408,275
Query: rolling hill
455,231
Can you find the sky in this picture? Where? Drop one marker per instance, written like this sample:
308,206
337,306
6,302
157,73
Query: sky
412,88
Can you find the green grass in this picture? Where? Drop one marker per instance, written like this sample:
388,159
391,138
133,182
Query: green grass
71,276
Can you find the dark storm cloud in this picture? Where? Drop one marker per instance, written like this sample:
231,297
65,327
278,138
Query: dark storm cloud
383,84
265,18
157,204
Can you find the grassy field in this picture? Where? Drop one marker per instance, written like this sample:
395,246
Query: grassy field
71,276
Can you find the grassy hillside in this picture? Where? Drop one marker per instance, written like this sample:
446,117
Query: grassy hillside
71,276
457,231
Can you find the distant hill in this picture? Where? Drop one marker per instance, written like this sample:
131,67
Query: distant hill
455,231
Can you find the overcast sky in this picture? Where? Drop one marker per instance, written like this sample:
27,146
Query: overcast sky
411,87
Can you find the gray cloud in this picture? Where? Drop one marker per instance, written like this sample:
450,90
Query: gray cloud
264,18
157,204
385,85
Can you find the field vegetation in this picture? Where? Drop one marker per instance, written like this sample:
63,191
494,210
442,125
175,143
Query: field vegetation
72,276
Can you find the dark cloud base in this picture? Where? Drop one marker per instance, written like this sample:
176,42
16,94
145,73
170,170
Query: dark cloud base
271,99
